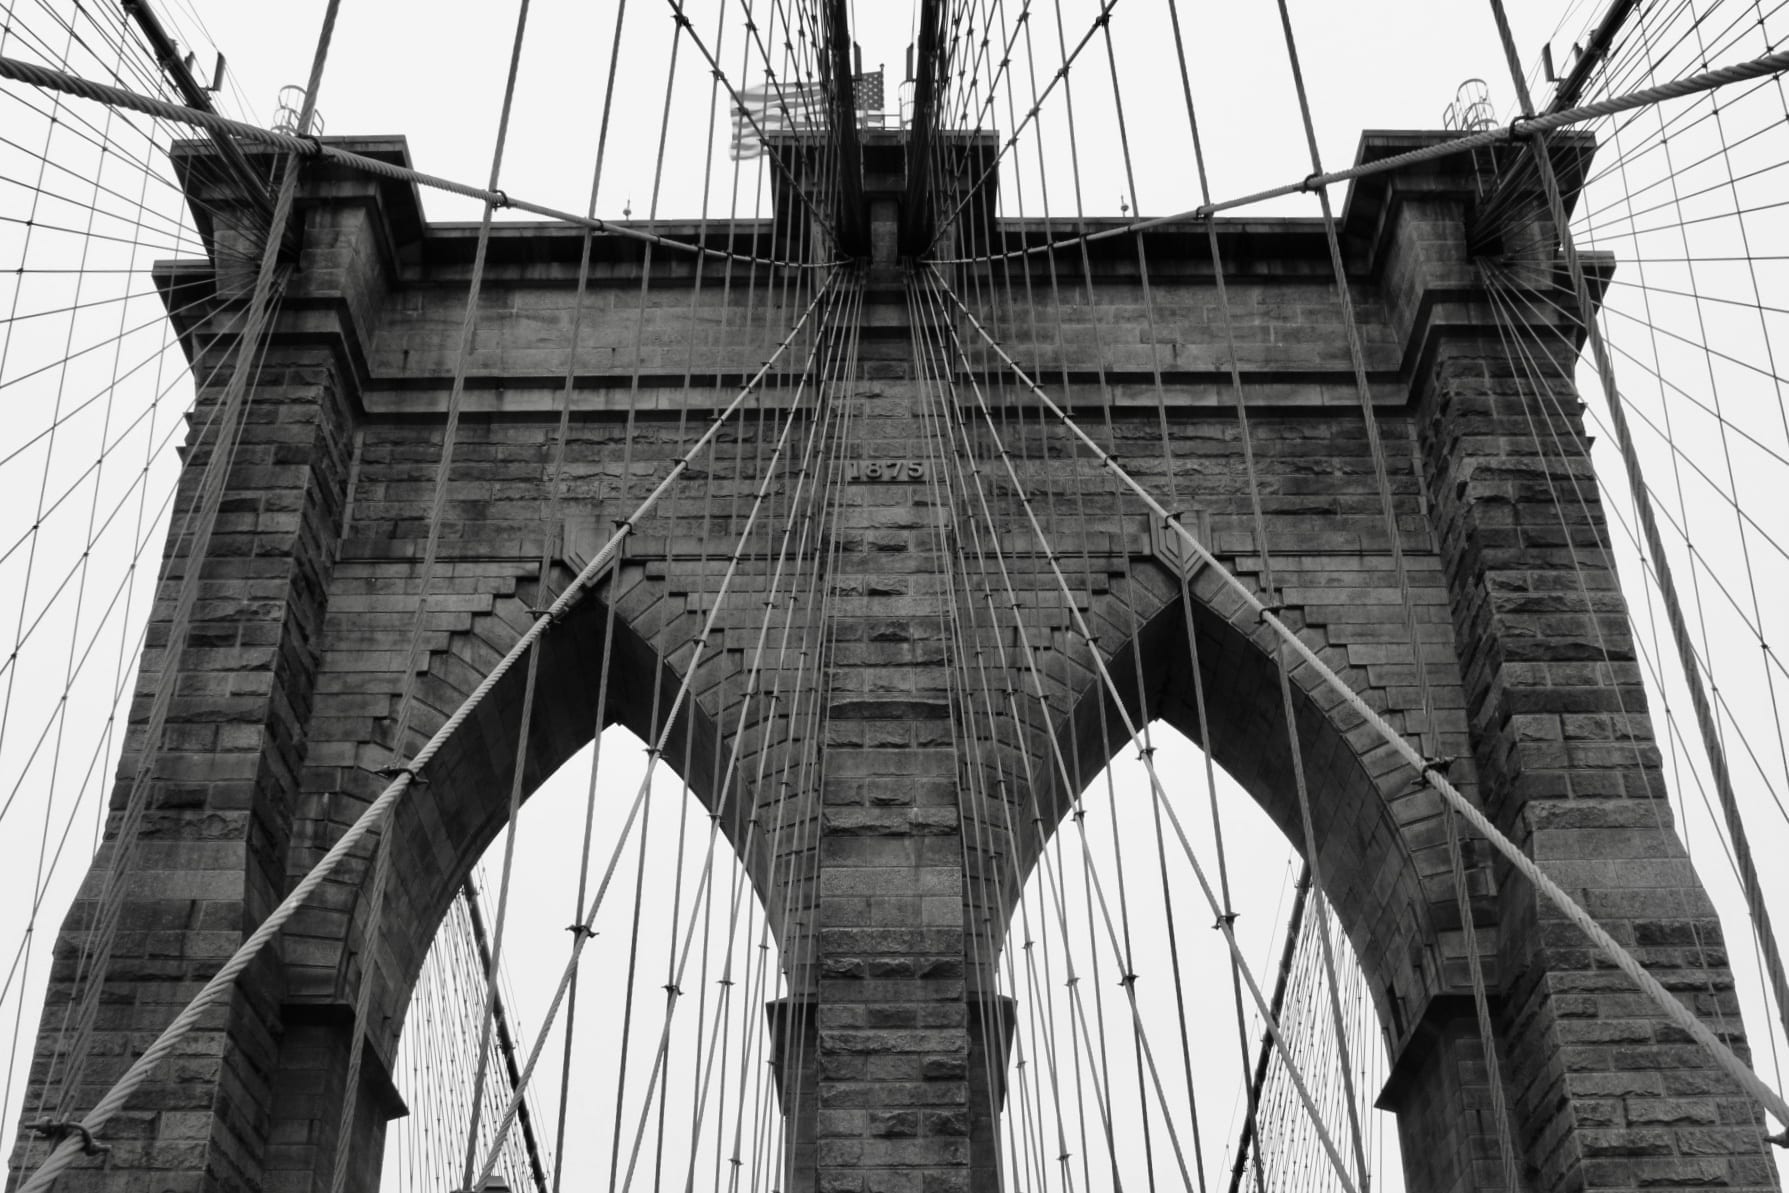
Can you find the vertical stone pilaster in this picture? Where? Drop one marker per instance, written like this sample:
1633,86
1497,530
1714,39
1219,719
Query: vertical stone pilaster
892,1022
892,1026
209,860
1607,1093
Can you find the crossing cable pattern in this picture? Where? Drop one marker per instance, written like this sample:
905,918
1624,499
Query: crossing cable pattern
1690,182
1127,966
1707,30
943,300
1016,698
202,518
675,983
86,198
987,236
379,809
1736,1068
1129,228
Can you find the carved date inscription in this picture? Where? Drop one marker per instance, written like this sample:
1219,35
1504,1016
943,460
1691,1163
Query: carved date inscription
884,472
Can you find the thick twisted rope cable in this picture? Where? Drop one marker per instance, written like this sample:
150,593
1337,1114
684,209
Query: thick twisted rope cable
208,501
443,474
1252,1078
1429,733
819,498
548,527
1740,852
1515,132
821,369
116,1098
1706,719
230,419
1130,729
53,80
654,753
1725,1058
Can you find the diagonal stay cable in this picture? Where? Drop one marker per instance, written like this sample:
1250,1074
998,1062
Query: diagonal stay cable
825,405
1674,1010
702,641
232,415
314,147
1081,628
221,983
1516,132
741,108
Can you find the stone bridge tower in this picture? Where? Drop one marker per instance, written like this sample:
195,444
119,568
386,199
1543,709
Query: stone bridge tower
289,686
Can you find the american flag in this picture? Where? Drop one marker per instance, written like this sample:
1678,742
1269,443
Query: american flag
795,107
866,89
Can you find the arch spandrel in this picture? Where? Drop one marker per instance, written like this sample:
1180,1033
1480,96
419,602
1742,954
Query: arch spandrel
1378,838
1381,839
447,823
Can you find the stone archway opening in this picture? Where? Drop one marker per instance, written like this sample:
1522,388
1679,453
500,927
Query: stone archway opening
1083,1067
679,911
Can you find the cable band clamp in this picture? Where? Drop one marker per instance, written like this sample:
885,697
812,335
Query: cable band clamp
1432,769
60,1129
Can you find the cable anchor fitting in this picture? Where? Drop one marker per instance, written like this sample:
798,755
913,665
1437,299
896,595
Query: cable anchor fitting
1433,768
581,931
60,1129
553,614
1225,920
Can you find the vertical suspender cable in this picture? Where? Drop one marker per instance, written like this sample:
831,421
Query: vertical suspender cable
1705,715
208,501
1421,764
375,814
